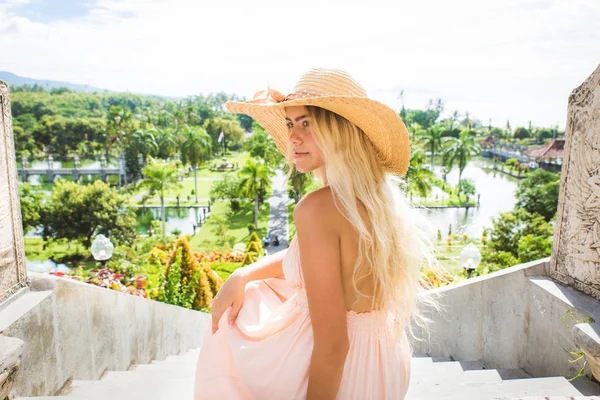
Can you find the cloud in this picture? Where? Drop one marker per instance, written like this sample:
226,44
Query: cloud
506,60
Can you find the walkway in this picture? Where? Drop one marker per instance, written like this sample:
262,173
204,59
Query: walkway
278,218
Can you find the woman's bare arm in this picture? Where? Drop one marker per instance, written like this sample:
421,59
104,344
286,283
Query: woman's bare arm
321,266
232,293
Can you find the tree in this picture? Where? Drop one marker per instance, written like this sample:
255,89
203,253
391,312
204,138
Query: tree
299,182
196,147
185,282
230,127
260,145
166,139
538,193
532,247
160,178
31,205
521,133
255,175
417,177
510,227
467,187
228,188
145,144
80,212
460,151
119,124
432,140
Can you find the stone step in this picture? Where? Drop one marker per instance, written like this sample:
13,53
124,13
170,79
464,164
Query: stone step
550,398
555,386
432,379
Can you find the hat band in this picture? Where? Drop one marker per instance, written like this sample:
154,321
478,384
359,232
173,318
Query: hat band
272,96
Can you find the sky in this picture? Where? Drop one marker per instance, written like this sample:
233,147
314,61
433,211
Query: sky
497,60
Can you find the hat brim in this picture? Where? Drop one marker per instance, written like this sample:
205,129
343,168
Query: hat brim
382,125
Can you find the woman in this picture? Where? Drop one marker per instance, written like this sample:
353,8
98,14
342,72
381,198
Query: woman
325,318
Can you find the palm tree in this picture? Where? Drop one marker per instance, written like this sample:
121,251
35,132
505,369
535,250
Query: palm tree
119,122
417,177
460,151
166,139
145,142
194,149
159,178
433,140
254,176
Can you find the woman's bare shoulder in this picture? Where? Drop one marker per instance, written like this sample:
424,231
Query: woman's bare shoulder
317,206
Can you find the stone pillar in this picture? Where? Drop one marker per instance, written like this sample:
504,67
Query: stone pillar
576,250
13,271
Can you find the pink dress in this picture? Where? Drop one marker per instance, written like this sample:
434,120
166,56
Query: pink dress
266,354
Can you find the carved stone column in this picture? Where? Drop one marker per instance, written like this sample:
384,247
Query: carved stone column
576,250
13,269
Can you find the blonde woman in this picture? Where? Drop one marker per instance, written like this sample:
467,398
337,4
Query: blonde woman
327,317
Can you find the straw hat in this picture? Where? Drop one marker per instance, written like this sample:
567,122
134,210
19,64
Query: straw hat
336,91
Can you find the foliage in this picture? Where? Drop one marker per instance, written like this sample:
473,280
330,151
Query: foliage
228,189
510,227
31,204
254,250
185,282
521,133
538,193
496,260
532,247
260,145
434,279
254,177
418,178
299,184
76,211
107,278
459,151
159,177
466,187
195,149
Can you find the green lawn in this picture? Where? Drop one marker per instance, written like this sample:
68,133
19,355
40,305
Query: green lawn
187,186
34,249
452,201
207,239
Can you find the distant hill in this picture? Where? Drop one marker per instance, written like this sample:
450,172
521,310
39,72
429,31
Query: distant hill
16,80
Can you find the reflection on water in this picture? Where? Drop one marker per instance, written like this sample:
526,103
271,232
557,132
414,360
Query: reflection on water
497,192
181,218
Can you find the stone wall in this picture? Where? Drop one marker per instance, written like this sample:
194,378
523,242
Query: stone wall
13,269
76,331
514,318
576,250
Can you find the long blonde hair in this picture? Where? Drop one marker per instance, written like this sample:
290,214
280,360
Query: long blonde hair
391,240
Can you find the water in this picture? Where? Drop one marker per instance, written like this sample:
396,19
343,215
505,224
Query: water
182,218
46,266
497,195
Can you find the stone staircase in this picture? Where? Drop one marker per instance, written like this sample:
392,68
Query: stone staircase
432,379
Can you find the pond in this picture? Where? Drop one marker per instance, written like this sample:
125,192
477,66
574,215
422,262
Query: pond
182,218
497,192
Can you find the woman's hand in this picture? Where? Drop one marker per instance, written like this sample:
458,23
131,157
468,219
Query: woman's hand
231,295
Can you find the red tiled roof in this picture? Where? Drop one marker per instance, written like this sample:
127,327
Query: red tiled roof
554,149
